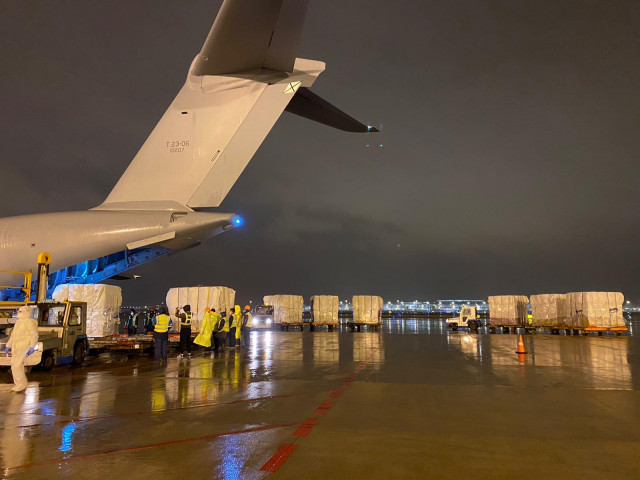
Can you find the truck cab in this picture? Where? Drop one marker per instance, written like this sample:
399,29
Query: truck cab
61,330
262,316
466,319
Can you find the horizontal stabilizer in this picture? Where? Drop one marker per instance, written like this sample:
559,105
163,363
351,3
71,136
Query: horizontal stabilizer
252,34
307,104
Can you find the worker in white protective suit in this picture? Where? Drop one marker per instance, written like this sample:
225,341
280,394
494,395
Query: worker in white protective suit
21,344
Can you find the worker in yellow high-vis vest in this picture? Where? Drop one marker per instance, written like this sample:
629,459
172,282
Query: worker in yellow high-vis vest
206,329
237,323
246,325
216,320
185,329
161,325
224,332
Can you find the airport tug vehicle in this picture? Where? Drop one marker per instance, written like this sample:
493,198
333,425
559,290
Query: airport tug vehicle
62,334
62,337
466,319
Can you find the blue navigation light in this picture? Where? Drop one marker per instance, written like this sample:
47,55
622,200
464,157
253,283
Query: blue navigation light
237,221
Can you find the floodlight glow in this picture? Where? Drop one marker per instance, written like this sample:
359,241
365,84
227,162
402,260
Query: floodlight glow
237,221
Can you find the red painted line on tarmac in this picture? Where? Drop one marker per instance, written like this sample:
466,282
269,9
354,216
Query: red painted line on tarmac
146,447
324,407
305,428
152,412
278,458
281,455
336,393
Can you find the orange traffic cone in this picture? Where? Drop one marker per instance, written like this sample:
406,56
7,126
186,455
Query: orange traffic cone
520,349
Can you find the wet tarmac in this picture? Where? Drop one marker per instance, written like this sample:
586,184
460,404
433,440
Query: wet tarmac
413,401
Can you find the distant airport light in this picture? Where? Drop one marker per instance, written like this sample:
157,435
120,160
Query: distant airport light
237,221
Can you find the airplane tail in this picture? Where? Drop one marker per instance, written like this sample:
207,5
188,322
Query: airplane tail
237,87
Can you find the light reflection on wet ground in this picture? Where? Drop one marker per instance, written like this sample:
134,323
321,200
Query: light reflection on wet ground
225,416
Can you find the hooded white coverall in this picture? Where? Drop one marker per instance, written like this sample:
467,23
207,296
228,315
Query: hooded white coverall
23,337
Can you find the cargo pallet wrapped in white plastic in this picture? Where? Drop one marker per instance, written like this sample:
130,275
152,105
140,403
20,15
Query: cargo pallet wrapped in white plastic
595,310
103,305
324,309
287,309
199,298
508,310
367,309
549,310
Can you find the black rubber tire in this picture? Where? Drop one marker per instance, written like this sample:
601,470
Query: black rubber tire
47,361
473,326
454,327
79,353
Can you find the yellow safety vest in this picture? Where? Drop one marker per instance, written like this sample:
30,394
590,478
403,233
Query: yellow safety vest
216,320
162,323
248,314
187,321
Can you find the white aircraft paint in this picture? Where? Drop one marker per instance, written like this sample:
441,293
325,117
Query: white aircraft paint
236,88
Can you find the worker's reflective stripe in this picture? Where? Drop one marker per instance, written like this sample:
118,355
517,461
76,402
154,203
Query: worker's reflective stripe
162,323
187,321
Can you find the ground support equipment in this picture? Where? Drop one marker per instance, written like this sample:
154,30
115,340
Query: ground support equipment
358,326
511,328
318,326
285,326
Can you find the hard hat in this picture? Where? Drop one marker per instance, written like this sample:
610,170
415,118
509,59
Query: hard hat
247,307
207,309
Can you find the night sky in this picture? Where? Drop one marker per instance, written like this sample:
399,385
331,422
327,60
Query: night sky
509,158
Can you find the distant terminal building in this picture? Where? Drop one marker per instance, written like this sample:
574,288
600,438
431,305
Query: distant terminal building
454,306
437,306
423,306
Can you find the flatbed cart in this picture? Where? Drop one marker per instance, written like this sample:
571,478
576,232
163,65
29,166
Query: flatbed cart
285,326
375,327
572,330
316,326
512,328
138,343
601,330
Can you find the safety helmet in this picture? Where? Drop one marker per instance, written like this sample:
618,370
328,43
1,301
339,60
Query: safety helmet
247,307
207,309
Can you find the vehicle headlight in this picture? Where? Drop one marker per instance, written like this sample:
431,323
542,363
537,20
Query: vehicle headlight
268,321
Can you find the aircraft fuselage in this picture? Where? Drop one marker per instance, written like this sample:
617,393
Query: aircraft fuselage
74,237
